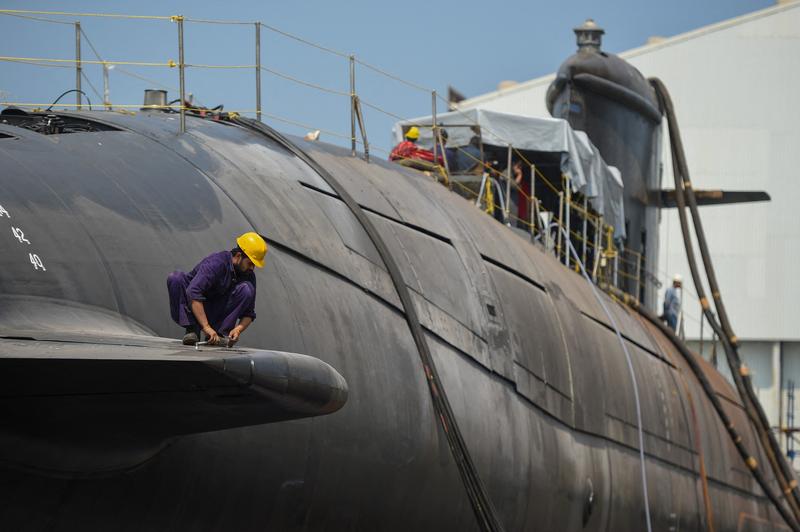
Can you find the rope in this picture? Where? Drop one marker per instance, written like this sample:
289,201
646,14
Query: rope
309,127
34,63
71,14
194,65
304,41
86,62
393,76
224,22
38,19
306,83
143,78
94,89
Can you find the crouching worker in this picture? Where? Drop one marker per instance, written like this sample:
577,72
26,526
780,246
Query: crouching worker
218,292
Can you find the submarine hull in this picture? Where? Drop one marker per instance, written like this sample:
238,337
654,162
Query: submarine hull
530,362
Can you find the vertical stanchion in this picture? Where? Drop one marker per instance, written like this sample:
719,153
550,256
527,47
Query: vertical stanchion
507,213
585,228
481,189
78,69
258,71
534,216
567,204
181,72
616,257
353,105
362,127
106,88
559,222
598,235
638,275
434,129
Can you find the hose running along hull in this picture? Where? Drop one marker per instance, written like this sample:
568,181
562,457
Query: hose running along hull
534,373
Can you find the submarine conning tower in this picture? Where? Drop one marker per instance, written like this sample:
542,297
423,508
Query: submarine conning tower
606,97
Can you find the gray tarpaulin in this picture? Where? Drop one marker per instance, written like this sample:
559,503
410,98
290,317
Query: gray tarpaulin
580,160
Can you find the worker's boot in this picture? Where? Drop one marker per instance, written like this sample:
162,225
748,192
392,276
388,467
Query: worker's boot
192,335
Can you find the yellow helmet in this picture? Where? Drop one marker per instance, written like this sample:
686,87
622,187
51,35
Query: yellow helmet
412,133
254,247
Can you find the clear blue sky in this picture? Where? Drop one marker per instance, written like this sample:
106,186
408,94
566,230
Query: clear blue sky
470,45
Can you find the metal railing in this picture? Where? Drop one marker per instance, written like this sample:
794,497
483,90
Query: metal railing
609,261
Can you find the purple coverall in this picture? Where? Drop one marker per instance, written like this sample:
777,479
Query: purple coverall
227,295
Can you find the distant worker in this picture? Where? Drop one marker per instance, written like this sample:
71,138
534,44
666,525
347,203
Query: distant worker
408,153
445,154
218,292
672,302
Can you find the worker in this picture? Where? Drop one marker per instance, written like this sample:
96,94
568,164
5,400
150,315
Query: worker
408,148
446,154
219,292
408,152
672,302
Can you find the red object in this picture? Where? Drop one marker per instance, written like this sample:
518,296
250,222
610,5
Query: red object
409,150
522,205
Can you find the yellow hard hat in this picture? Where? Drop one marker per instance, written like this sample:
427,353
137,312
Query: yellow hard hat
412,133
254,247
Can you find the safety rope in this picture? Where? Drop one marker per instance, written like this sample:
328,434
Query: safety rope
73,14
39,19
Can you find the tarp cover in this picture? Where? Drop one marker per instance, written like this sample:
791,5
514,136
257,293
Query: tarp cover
580,160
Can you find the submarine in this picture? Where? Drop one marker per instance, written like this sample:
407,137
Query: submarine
413,365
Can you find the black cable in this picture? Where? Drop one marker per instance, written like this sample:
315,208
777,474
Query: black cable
67,92
711,394
476,491
743,384
681,183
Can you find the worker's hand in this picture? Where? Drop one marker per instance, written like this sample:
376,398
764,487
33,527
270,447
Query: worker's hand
233,336
213,337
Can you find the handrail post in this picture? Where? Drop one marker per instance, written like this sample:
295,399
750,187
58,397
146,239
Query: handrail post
352,105
560,221
567,203
106,88
598,242
78,68
638,275
585,227
258,71
507,213
362,127
534,221
434,129
181,73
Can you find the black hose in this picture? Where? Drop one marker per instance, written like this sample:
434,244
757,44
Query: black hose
724,321
476,491
67,92
698,372
750,402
